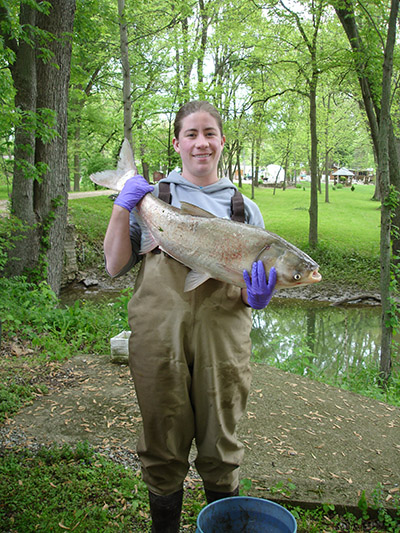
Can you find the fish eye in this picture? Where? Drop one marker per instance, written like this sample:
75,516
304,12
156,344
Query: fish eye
297,277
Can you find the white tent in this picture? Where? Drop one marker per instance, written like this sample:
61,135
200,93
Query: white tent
274,173
343,172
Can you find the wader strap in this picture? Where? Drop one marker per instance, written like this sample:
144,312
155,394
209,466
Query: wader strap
164,192
237,207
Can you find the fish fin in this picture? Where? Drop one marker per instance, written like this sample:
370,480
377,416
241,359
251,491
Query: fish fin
107,178
190,209
194,279
126,160
126,168
148,242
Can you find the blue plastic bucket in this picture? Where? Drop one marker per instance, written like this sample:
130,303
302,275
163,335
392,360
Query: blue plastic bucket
242,514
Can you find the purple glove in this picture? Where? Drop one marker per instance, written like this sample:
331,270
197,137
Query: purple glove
259,292
132,192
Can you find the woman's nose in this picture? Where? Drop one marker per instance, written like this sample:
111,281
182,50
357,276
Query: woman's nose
202,140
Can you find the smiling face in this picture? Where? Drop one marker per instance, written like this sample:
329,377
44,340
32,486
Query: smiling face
200,144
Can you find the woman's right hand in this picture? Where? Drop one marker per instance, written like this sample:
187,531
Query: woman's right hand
132,192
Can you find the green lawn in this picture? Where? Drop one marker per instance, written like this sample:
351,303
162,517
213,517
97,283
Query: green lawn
349,222
90,216
4,192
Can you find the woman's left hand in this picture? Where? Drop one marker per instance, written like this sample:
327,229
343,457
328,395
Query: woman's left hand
259,291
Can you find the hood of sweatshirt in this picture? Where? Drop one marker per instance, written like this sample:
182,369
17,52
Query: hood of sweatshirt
214,198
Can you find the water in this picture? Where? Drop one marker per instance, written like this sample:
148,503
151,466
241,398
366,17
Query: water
332,340
69,296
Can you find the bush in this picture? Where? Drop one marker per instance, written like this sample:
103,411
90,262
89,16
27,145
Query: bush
27,309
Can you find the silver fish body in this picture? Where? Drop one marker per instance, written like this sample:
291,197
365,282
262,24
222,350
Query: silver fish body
220,248
211,247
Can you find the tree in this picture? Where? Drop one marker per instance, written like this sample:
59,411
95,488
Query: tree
92,71
377,109
126,73
41,180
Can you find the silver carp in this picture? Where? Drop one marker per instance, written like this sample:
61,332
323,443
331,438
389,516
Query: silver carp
211,247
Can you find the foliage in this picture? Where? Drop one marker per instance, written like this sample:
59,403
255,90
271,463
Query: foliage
11,230
65,488
260,86
27,309
100,495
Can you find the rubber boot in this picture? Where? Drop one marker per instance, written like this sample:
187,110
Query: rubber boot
166,512
212,496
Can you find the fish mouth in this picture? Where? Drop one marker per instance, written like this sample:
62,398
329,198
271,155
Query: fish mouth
315,276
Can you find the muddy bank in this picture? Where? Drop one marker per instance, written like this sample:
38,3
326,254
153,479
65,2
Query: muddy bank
325,291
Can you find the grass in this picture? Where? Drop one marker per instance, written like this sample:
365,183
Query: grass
90,216
4,192
79,490
69,489
349,222
76,489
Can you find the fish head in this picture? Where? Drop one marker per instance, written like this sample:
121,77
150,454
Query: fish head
293,267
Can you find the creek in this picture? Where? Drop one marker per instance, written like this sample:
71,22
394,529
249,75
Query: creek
298,334
333,340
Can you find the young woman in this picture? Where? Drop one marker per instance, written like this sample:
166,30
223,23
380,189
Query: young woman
189,352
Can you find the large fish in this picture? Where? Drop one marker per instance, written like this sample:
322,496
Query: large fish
211,247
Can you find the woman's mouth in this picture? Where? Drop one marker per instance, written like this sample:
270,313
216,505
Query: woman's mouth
201,156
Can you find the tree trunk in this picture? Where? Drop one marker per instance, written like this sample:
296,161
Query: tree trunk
126,73
327,177
387,204
345,13
41,178
384,141
238,167
313,211
77,155
24,76
51,193
252,168
203,44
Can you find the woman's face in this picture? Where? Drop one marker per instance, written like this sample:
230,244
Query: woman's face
200,144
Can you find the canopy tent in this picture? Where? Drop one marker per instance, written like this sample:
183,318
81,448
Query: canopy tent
343,172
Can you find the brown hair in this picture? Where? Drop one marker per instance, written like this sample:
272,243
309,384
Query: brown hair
193,107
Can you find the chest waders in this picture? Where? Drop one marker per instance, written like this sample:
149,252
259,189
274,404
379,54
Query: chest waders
189,355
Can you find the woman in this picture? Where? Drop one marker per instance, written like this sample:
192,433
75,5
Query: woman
189,351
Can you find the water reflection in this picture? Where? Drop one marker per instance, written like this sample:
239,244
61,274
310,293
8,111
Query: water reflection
330,340
69,296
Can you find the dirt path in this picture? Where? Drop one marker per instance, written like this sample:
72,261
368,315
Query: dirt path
305,441
86,194
71,196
